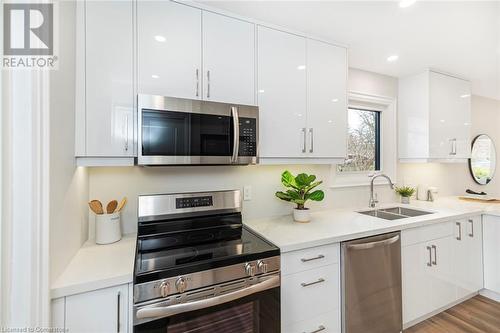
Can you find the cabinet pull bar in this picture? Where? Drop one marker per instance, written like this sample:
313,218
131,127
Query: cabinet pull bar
459,225
307,284
471,234
435,255
118,312
430,256
197,82
208,84
311,138
126,133
313,258
303,139
319,329
453,146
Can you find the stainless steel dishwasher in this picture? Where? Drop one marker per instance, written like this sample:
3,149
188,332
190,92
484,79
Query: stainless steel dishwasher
371,285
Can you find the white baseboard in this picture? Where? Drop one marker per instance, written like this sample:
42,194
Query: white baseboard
435,312
490,294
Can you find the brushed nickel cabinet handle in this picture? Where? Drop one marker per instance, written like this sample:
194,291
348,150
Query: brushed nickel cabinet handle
208,84
471,234
319,329
303,130
307,284
430,256
126,132
118,312
453,146
313,258
311,138
435,255
459,225
197,82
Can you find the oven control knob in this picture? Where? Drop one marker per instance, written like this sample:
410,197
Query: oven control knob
164,289
181,285
262,266
250,269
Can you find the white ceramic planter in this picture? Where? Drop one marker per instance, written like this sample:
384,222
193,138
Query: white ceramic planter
301,215
405,200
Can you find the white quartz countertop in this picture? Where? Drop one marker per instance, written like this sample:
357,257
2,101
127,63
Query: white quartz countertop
97,266
332,226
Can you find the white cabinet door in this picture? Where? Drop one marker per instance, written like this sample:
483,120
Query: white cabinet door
450,116
169,49
443,289
416,281
228,59
103,310
109,89
281,59
491,248
327,105
468,256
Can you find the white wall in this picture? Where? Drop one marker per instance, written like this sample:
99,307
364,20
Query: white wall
113,183
454,179
68,184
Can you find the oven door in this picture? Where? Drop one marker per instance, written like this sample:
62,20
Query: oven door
253,308
174,131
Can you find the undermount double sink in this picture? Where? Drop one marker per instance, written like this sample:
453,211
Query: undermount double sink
394,213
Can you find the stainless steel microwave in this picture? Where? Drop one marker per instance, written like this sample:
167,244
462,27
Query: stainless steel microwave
176,131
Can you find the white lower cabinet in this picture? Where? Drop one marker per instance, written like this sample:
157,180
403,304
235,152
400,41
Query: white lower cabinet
310,298
491,248
103,310
441,264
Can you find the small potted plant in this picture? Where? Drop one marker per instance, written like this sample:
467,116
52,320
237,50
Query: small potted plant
299,190
405,192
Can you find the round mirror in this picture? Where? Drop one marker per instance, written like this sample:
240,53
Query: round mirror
483,159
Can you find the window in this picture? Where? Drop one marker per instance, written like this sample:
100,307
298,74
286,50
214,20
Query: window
363,143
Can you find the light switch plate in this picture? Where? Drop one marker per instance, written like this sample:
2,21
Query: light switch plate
247,193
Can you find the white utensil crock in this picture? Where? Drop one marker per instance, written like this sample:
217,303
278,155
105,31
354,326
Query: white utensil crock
107,228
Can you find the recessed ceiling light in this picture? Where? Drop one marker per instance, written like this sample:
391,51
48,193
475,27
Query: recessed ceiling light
464,96
160,38
301,67
406,3
392,58
154,76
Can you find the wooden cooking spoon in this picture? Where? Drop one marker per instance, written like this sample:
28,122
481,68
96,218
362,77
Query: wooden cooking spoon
111,206
121,205
96,206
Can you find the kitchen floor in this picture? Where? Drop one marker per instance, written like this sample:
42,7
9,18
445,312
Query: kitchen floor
476,315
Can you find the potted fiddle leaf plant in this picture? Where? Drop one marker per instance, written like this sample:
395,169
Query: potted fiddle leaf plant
405,192
300,189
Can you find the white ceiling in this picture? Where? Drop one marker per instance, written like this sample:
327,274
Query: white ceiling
457,37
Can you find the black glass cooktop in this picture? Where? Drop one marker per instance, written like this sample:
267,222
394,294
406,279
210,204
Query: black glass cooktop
172,261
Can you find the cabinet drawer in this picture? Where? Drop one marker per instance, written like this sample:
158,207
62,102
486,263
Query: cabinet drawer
326,323
298,261
424,234
305,294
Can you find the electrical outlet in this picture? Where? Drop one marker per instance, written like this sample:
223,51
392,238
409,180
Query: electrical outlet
247,192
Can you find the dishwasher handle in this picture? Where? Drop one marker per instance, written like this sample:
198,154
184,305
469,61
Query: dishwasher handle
371,245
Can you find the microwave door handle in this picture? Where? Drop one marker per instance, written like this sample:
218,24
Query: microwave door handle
167,311
236,141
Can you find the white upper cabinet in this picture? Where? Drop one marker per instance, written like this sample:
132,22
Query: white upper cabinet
169,49
105,88
434,117
282,93
327,102
228,59
302,98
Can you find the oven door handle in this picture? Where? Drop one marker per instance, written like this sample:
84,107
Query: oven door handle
236,139
167,311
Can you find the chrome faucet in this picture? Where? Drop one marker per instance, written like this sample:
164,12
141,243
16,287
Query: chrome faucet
373,197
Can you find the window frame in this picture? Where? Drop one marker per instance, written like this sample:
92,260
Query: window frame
388,141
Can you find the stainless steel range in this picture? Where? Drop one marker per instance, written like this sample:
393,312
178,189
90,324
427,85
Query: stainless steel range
198,269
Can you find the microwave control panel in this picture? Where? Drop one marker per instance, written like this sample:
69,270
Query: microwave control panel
248,137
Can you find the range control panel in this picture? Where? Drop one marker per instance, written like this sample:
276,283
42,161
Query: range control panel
192,202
